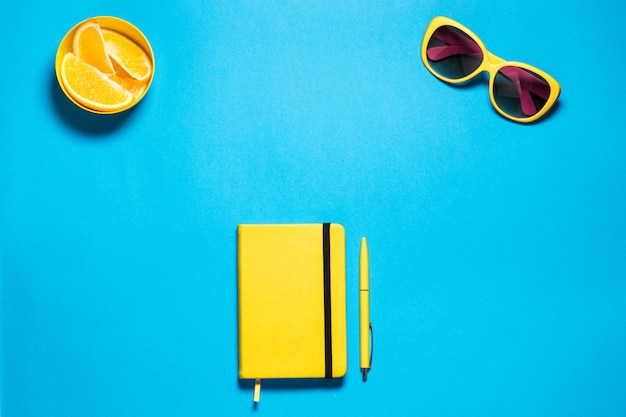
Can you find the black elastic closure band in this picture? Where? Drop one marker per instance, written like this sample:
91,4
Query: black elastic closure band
328,335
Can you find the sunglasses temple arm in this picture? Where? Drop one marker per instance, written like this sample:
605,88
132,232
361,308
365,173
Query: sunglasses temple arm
456,44
526,100
437,53
527,81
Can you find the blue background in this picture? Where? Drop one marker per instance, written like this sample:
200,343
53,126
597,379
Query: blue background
497,250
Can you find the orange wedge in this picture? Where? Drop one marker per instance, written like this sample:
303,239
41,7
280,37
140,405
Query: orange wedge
136,88
89,46
90,87
128,55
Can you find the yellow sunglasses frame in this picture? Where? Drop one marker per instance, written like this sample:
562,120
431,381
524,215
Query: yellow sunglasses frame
491,64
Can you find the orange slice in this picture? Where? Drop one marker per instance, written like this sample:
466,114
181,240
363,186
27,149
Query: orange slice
136,88
89,46
90,87
128,55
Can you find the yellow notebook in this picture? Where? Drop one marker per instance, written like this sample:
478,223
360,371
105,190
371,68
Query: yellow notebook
292,301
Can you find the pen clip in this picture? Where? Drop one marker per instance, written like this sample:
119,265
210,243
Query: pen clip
371,344
369,368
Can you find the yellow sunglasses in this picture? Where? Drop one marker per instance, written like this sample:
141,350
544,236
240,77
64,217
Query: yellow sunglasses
518,91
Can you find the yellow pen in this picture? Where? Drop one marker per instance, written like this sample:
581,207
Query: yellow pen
365,325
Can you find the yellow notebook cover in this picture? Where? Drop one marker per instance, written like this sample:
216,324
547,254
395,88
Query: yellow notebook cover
292,301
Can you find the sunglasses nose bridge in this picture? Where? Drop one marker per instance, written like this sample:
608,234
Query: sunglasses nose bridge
492,64
493,59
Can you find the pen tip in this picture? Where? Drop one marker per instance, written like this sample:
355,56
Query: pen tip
364,374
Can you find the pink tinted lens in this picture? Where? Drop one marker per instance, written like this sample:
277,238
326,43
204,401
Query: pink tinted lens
520,93
452,53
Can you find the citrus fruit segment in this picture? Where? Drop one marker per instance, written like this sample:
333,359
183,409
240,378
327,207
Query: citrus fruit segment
89,46
90,87
127,54
136,88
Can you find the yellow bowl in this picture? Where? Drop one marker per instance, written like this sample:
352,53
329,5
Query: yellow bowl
112,23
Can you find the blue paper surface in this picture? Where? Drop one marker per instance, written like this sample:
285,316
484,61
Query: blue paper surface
497,250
